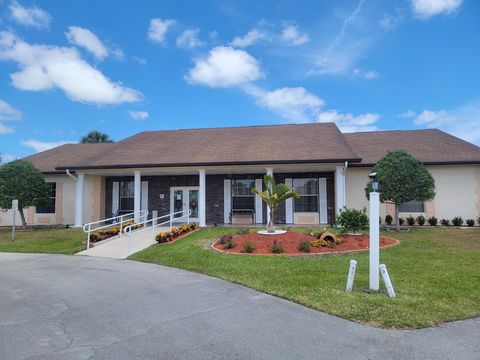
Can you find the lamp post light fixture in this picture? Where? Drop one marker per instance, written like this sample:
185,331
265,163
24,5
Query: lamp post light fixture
374,234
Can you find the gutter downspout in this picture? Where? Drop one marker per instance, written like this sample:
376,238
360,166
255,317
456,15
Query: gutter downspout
69,174
345,167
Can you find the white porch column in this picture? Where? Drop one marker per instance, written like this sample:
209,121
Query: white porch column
270,173
201,197
79,200
339,188
137,194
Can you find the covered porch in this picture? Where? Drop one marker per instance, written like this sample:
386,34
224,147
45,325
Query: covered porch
215,195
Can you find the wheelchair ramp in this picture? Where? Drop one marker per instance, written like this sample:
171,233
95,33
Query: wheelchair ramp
117,248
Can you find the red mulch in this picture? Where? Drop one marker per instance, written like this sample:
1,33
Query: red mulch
291,239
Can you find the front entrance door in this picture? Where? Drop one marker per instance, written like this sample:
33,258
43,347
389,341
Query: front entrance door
183,198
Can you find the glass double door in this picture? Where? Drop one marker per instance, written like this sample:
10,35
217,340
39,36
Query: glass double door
182,199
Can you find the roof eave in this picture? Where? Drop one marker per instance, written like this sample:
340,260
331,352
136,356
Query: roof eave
198,164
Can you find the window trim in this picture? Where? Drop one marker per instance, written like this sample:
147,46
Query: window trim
52,205
317,195
121,197
251,195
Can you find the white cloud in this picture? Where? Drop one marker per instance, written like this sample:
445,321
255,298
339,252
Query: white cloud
140,60
189,39
158,29
351,43
425,9
44,67
8,112
388,21
366,74
5,158
82,37
461,121
292,103
39,146
291,35
224,66
32,16
250,38
350,123
408,114
138,115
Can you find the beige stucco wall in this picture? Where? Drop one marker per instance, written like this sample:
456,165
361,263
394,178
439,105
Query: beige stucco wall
457,192
94,203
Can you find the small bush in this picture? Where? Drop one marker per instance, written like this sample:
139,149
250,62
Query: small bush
457,221
401,221
421,220
410,220
445,222
352,220
304,246
229,245
276,247
433,221
225,238
388,220
243,231
249,247
470,222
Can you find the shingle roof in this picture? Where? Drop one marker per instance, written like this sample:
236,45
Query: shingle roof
301,143
430,146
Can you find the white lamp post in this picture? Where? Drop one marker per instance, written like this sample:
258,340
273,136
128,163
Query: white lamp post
374,234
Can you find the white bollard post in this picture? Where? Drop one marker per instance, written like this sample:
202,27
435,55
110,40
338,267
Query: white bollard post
14,208
351,275
387,281
374,240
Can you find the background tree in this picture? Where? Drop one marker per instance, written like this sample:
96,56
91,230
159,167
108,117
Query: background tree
274,195
20,180
95,137
402,178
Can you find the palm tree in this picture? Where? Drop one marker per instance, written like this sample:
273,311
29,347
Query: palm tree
94,137
274,195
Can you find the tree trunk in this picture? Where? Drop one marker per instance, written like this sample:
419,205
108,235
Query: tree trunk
271,222
397,218
22,216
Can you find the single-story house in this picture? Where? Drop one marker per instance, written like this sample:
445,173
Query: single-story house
212,171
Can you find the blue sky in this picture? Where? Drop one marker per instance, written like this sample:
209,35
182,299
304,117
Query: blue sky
121,67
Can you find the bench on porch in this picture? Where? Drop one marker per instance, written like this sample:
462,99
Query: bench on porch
242,216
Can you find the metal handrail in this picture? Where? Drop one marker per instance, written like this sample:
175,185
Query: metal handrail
118,221
155,224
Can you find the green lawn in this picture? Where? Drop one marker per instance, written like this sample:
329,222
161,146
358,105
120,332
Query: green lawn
43,240
435,273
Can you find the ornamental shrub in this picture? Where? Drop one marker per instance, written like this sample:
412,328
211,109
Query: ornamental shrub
433,221
225,238
457,221
276,247
470,222
304,246
410,220
249,247
401,221
243,231
352,220
445,222
421,220
229,245
388,220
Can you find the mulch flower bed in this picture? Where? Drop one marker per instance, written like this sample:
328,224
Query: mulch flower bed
290,242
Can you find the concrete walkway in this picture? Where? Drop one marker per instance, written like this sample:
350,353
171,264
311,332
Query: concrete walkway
73,307
117,248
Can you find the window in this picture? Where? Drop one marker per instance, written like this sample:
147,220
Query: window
242,196
127,196
49,207
308,191
412,206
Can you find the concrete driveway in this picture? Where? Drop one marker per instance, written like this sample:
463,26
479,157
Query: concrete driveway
73,307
